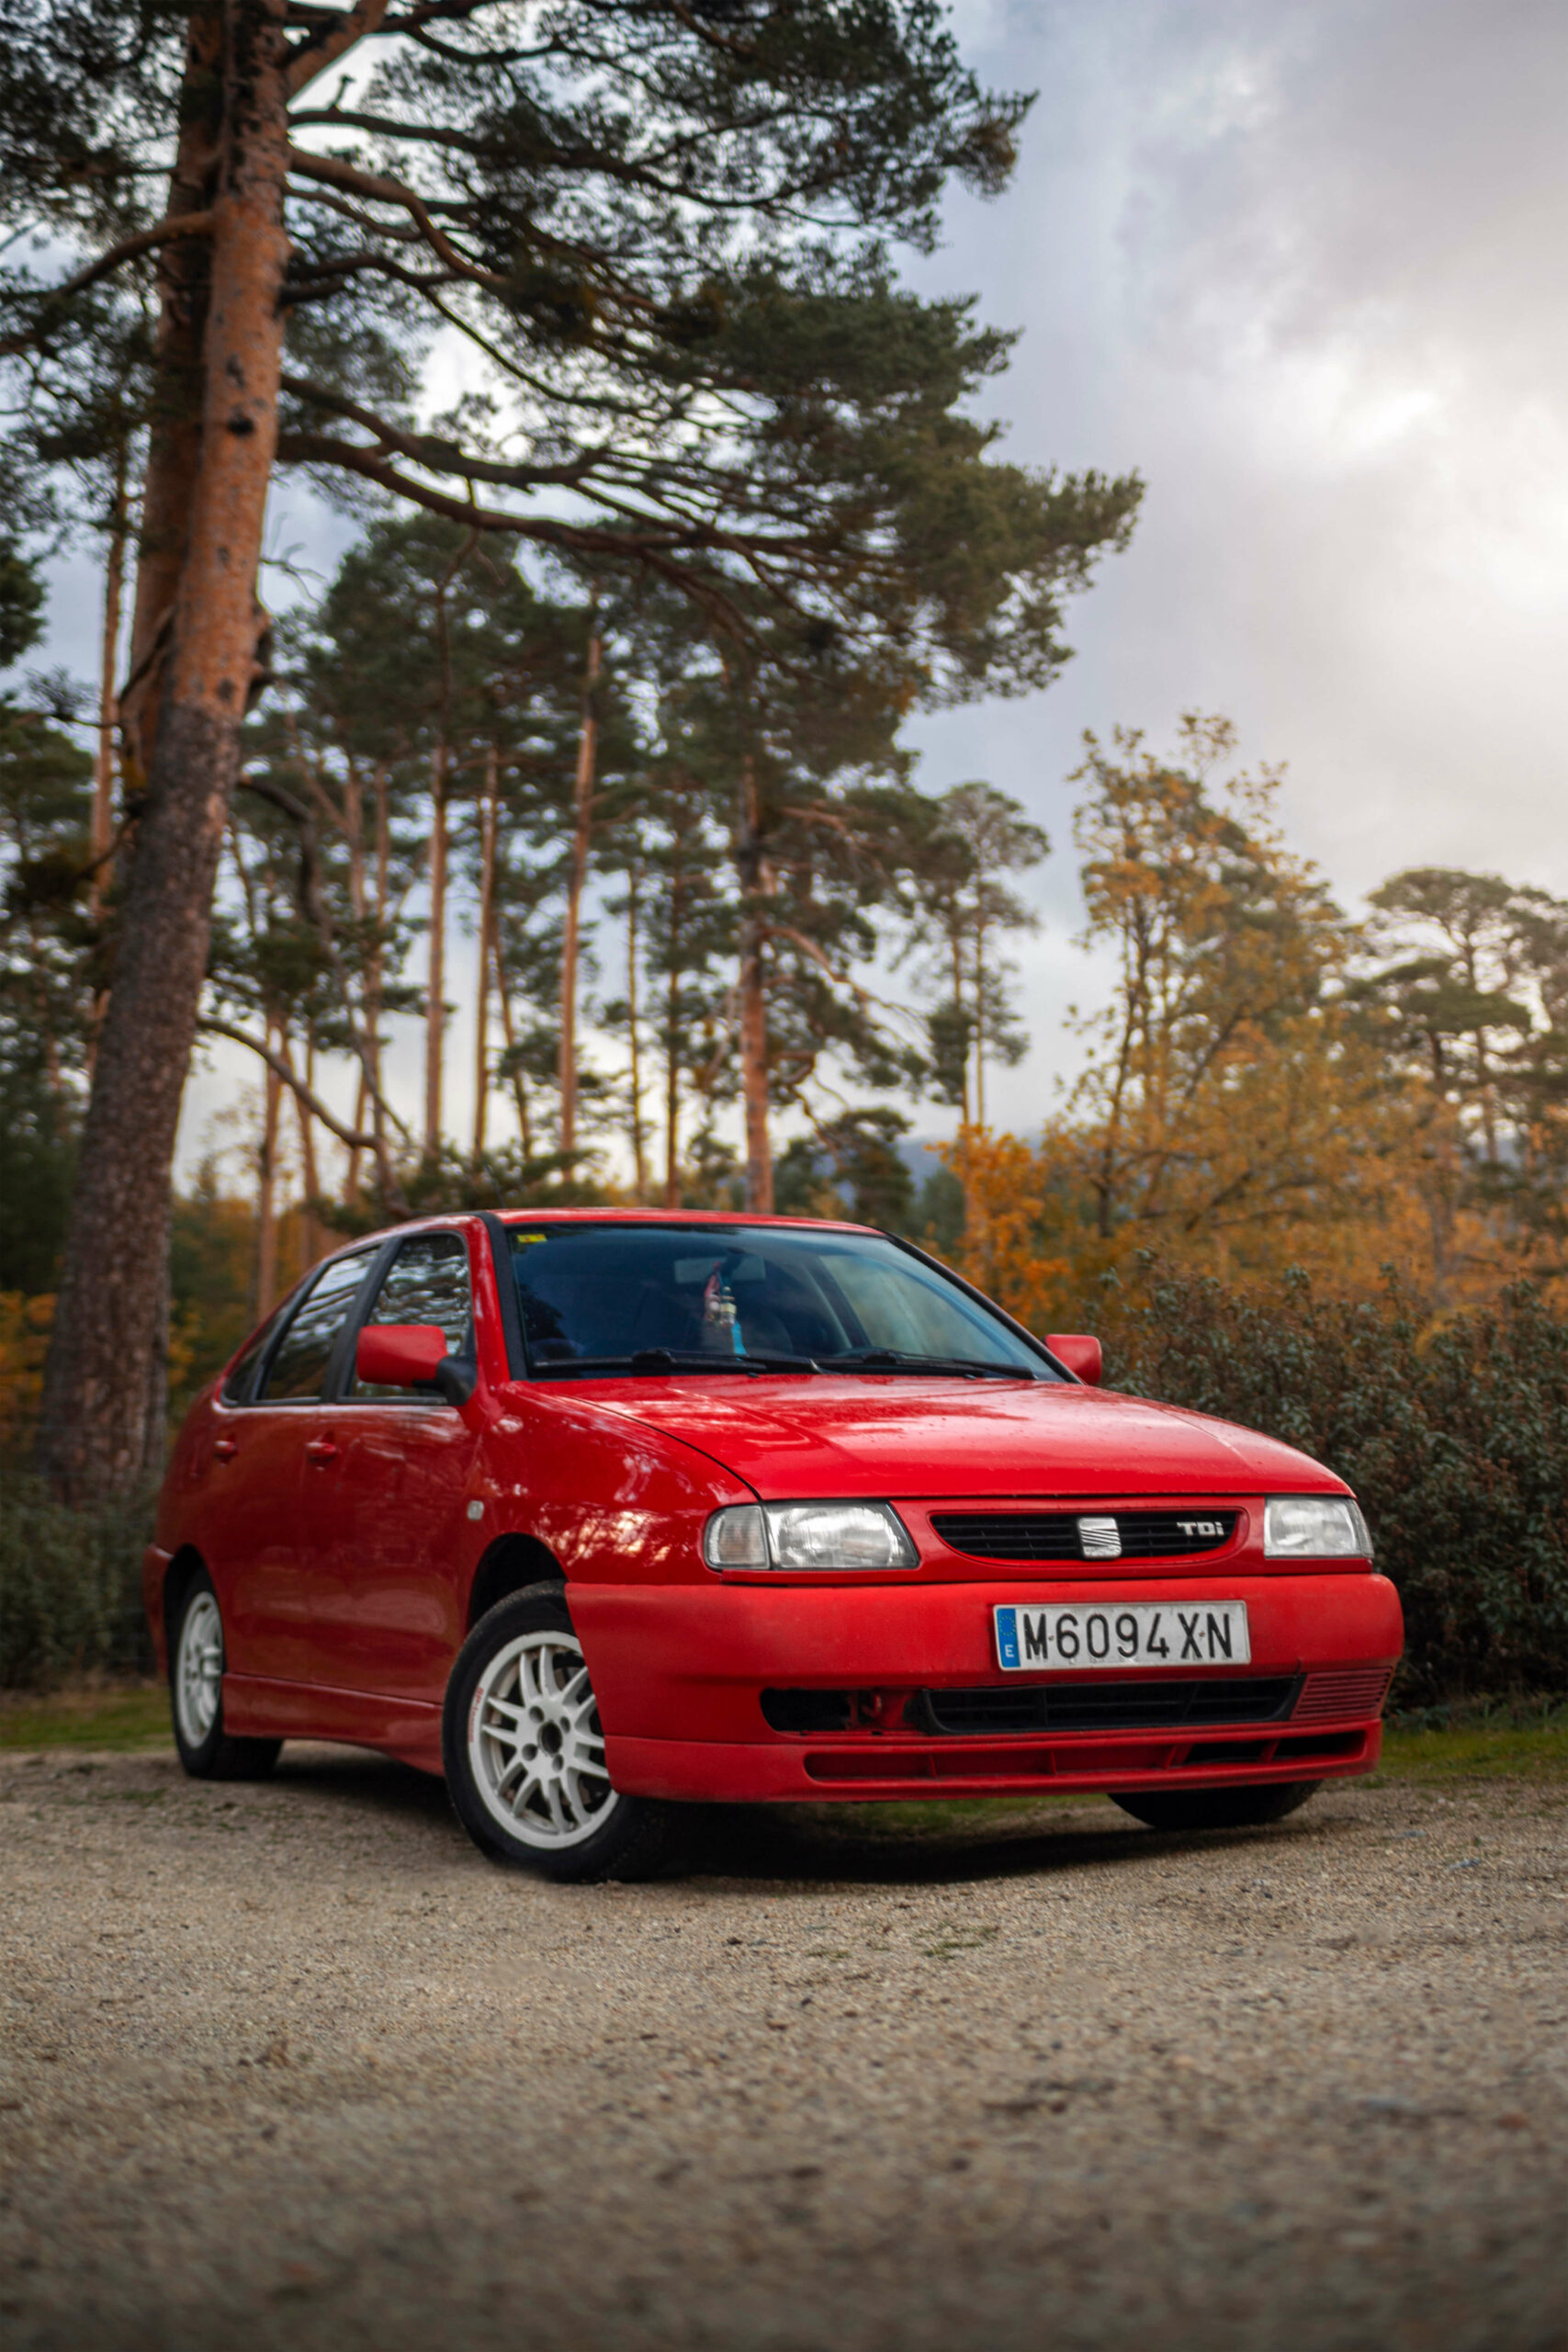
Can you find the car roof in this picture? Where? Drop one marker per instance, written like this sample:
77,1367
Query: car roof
631,1214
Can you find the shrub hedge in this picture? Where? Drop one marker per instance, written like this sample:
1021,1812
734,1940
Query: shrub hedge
1452,1429
70,1588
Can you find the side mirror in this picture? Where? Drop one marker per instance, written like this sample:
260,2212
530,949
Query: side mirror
412,1355
1079,1353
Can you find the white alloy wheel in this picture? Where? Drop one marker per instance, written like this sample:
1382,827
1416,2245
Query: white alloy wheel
536,1751
198,1668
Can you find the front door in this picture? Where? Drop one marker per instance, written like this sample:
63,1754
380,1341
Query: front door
387,1533
262,1534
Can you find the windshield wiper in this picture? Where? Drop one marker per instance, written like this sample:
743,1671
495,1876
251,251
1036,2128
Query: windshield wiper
667,1359
896,1360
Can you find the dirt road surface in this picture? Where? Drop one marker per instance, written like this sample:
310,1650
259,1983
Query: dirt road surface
291,2066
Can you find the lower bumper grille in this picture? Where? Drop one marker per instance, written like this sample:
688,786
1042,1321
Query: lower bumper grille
1360,1692
1107,1706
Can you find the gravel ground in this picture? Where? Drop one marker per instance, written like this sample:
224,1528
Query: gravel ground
291,2066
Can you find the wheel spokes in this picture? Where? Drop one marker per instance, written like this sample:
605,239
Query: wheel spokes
535,1744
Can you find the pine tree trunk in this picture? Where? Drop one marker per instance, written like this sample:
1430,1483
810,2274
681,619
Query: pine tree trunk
310,1236
754,999
508,1030
435,973
673,1058
489,819
266,1187
955,943
672,1026
109,672
373,978
173,450
980,1023
582,842
110,1318
634,1036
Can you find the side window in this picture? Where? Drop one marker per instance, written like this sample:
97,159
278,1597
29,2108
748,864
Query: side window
299,1364
237,1387
427,1282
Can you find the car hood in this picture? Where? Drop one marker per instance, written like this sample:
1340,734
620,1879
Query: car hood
842,1437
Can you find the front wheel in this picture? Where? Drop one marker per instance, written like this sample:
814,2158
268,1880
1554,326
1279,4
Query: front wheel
1243,1808
525,1755
195,1680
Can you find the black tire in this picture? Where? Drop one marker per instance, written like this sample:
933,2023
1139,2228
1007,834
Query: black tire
523,1752
1244,1808
196,1694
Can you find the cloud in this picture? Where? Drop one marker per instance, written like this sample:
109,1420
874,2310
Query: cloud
1303,266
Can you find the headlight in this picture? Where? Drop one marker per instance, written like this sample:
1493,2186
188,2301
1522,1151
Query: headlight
1314,1527
808,1535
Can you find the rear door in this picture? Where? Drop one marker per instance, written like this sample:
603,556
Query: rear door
262,1532
388,1527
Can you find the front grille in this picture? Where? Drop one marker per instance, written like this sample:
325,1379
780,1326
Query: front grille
1107,1706
1360,1692
1086,1535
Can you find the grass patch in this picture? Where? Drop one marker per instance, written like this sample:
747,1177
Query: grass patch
132,1715
1488,1741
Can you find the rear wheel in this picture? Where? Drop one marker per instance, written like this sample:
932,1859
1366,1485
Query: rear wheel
195,1680
525,1754
1243,1808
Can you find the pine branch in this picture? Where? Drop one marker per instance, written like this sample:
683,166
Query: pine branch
144,240
334,173
438,456
330,41
211,1026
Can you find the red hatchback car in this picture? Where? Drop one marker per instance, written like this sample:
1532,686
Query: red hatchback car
601,1513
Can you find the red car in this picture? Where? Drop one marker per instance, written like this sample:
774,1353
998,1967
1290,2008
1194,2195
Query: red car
606,1512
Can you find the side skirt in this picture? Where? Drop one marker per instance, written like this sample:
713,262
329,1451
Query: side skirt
254,1708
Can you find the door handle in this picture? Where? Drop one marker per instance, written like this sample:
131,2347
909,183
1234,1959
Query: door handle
224,1449
321,1451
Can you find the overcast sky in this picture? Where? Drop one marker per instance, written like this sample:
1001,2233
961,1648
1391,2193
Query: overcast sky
1305,268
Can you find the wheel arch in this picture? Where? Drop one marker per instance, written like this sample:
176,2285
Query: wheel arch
508,1564
179,1577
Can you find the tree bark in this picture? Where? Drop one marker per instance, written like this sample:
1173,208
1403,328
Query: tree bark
174,452
489,821
754,879
582,842
266,1204
374,981
634,1038
672,1039
309,1238
435,972
108,673
508,1030
110,1319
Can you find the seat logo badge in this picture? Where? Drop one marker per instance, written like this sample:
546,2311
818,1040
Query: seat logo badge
1100,1538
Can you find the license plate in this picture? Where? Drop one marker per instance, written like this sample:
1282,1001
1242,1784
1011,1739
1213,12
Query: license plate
1203,1633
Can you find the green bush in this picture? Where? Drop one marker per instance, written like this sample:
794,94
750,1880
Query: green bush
1453,1431
70,1588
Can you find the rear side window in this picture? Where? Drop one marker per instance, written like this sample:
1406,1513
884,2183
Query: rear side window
237,1387
299,1366
427,1282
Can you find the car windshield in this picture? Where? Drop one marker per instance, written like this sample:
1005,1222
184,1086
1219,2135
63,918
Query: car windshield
617,1297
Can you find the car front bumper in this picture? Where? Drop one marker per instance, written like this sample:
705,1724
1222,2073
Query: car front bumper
680,1672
